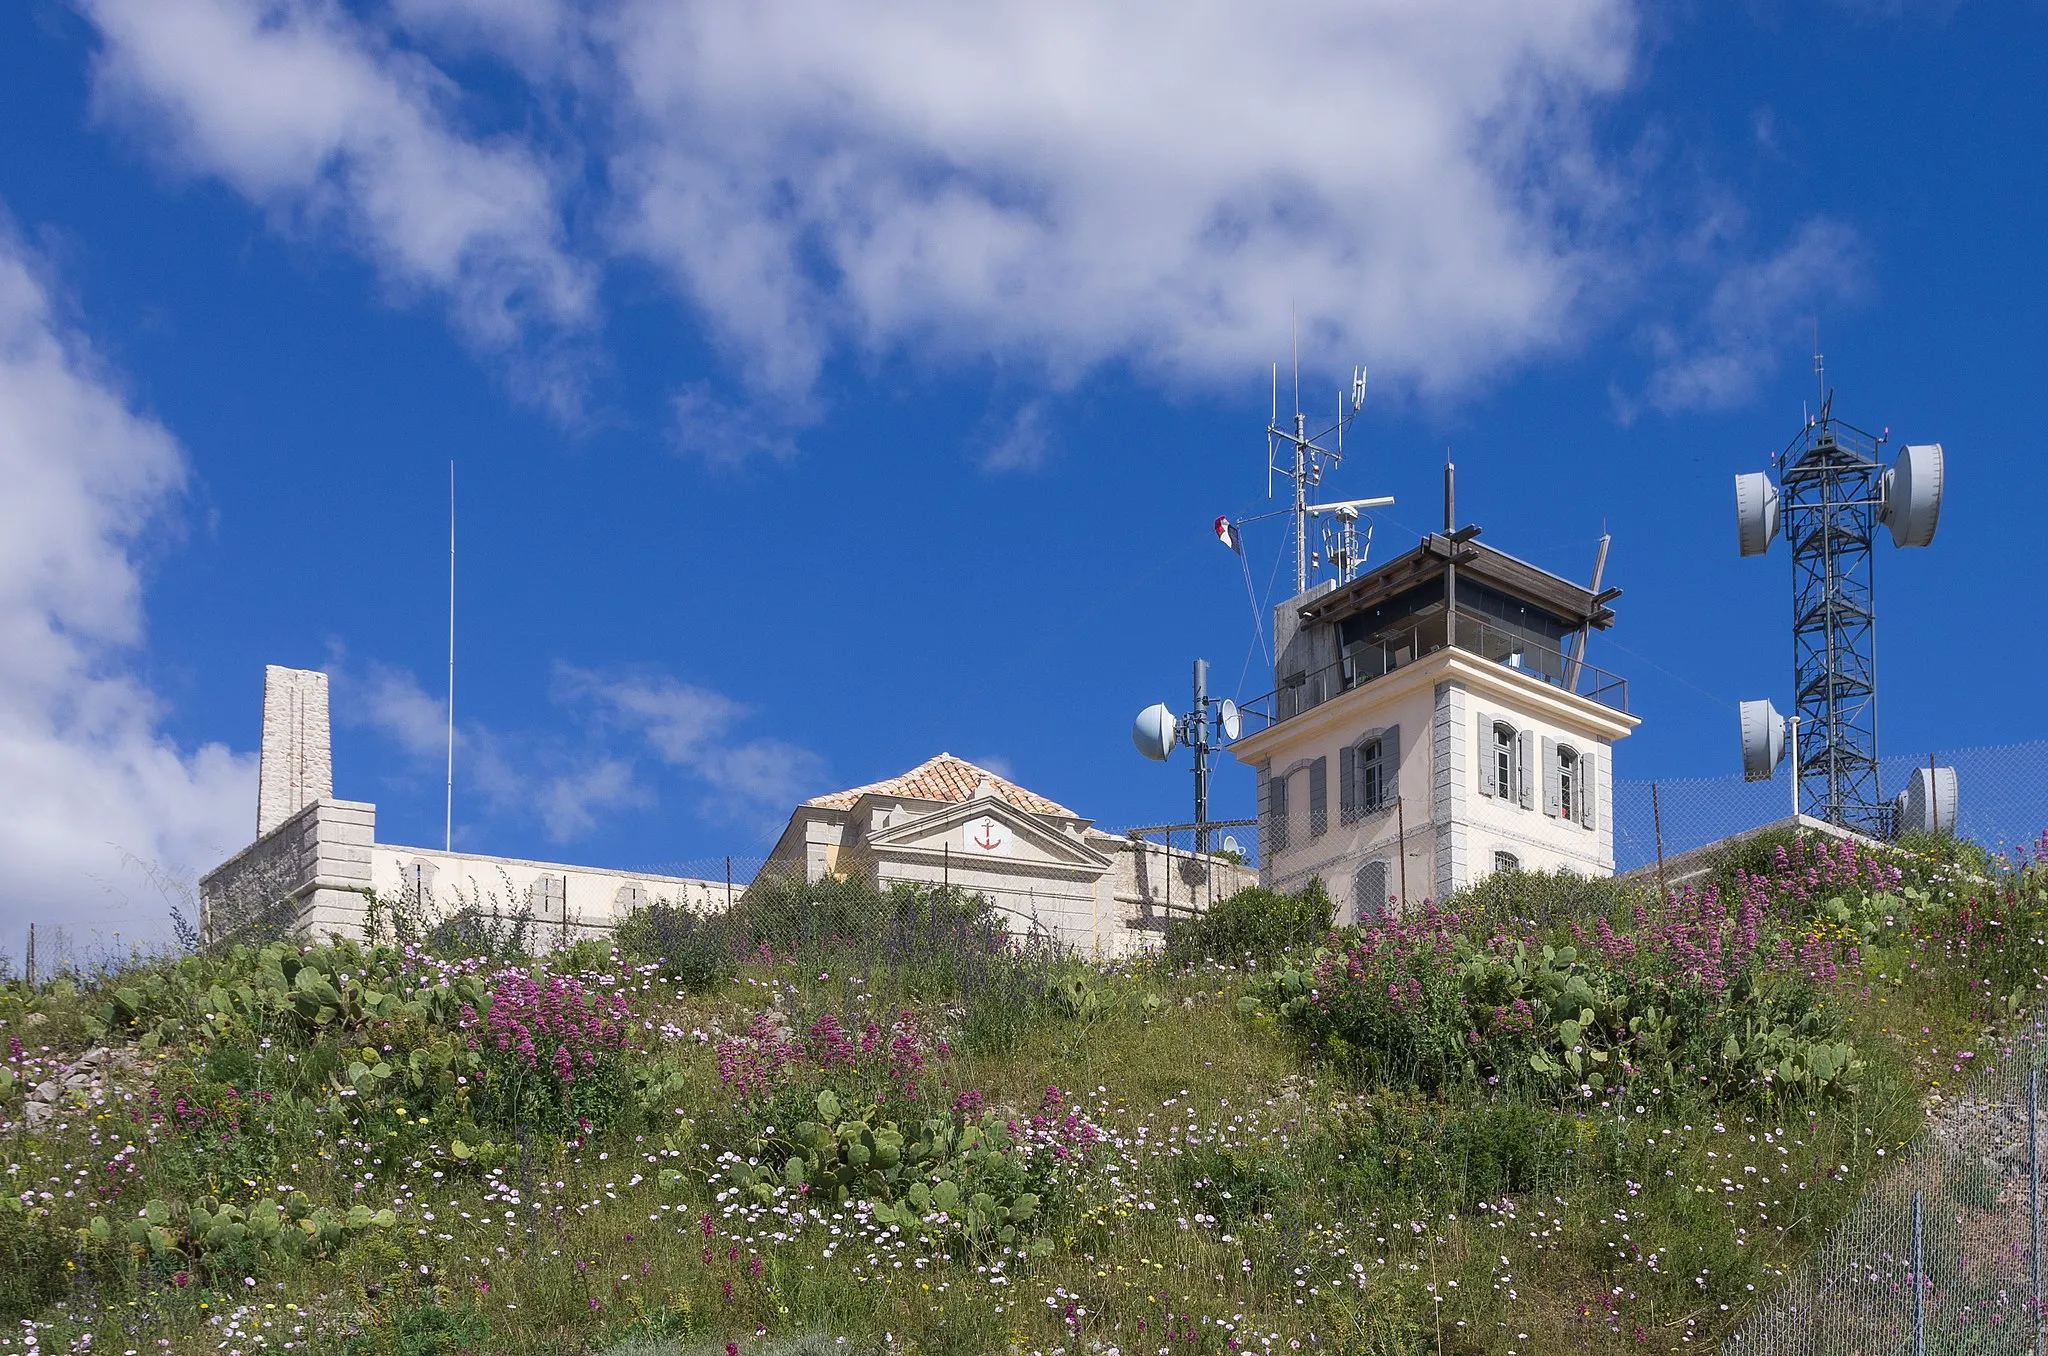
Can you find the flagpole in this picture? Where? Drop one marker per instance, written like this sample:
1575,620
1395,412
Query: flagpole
448,822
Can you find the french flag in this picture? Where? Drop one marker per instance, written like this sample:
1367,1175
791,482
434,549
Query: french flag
1226,532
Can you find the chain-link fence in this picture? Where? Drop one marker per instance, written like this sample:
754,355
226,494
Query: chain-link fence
1943,1252
2001,802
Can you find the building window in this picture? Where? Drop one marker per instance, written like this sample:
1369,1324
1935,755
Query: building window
1277,837
1568,789
1503,760
1506,861
1369,893
1372,774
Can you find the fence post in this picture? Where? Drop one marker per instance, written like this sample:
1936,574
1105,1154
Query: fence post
1919,1287
2034,1196
30,970
728,883
1657,824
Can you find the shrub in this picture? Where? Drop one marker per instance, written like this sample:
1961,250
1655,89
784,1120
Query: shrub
1721,998
1253,924
694,949
1542,899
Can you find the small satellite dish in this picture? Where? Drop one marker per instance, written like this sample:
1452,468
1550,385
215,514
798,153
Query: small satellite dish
1230,844
1763,740
1230,718
1756,512
1928,804
1910,494
1153,732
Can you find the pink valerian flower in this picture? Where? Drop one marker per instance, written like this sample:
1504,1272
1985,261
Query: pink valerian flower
761,1056
552,1022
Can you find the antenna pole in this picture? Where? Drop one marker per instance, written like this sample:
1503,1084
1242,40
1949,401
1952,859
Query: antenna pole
1794,724
1201,742
1450,565
1300,507
448,822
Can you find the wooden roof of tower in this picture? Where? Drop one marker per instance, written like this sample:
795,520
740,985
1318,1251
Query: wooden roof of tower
1574,603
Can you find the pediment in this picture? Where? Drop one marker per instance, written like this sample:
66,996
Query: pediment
987,828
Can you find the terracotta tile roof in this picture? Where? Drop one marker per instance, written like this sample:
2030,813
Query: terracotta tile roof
946,779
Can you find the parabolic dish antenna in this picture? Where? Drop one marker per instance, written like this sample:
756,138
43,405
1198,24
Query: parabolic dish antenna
1756,511
1928,804
1230,718
1910,494
1230,844
1763,741
1153,732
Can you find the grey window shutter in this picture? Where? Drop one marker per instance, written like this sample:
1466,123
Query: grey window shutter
1276,812
1369,892
1483,756
1390,767
1525,776
1550,788
1588,789
1318,797
1347,783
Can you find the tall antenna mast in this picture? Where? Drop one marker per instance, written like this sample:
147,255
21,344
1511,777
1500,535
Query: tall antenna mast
1304,466
448,823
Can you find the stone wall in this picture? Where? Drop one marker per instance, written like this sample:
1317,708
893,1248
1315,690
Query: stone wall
313,865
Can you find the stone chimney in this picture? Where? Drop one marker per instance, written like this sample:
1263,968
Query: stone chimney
297,764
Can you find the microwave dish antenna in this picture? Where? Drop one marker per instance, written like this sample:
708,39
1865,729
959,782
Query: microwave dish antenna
1154,732
1928,804
1229,719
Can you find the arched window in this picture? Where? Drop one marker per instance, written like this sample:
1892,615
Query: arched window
1369,892
1506,861
1568,788
1503,766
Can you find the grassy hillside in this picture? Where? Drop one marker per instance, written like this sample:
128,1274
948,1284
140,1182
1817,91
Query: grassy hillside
1555,1116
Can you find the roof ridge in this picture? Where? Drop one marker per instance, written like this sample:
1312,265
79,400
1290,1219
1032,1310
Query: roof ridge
948,779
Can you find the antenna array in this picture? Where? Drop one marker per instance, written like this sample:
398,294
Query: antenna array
1831,494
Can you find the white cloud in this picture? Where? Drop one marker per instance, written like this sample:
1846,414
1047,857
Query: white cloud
1758,311
688,728
1073,183
319,119
1024,445
392,700
1055,186
565,782
519,777
1061,183
89,784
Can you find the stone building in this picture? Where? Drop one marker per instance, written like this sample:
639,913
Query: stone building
316,863
1433,720
1048,869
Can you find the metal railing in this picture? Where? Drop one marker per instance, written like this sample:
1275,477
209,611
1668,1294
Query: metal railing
1399,646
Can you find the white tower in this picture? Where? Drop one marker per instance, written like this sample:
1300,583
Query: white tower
297,761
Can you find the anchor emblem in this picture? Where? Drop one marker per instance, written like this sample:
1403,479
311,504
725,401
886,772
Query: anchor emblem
989,840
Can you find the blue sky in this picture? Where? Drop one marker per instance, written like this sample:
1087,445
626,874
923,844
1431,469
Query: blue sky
831,385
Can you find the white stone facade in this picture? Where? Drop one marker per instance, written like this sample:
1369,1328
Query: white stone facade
297,760
1046,869
315,875
1435,824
